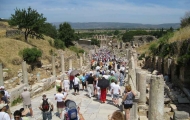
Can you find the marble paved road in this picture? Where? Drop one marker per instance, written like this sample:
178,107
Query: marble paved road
90,108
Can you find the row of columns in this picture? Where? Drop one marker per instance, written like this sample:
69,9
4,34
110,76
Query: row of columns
25,73
137,80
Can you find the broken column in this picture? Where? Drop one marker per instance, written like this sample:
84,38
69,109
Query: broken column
141,78
24,73
81,61
156,98
62,63
70,64
53,65
84,56
1,75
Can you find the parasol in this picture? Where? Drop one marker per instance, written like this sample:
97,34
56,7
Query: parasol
74,72
103,83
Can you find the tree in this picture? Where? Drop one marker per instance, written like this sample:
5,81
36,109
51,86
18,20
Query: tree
29,20
49,30
185,20
66,33
116,32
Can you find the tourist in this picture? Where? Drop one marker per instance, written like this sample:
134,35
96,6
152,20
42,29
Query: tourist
26,97
46,106
5,100
59,97
121,77
90,85
76,84
25,113
17,115
116,91
83,79
3,114
128,101
7,95
117,115
111,88
66,84
103,92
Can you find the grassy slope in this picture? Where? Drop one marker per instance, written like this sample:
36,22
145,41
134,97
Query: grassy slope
180,35
10,47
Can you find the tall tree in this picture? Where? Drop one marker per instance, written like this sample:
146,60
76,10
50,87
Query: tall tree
49,30
28,20
66,33
185,20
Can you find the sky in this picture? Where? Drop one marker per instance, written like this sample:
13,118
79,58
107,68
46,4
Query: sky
125,11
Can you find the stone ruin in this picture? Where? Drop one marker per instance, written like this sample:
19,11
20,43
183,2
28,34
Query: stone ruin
35,83
156,98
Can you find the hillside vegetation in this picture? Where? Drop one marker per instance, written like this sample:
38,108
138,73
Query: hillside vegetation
178,36
11,46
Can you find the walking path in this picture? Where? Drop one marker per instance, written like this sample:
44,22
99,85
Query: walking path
90,108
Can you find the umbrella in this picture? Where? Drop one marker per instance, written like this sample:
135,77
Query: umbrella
74,72
103,83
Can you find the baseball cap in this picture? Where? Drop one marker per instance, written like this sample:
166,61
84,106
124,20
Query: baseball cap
2,105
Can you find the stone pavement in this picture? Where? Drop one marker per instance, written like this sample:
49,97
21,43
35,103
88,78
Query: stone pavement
90,108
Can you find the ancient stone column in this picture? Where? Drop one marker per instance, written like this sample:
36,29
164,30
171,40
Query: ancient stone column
70,64
1,75
84,56
24,73
53,65
141,79
81,61
137,70
62,63
127,54
156,98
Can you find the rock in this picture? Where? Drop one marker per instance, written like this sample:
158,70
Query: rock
19,74
167,100
181,115
167,109
183,100
5,75
173,107
143,118
155,72
187,92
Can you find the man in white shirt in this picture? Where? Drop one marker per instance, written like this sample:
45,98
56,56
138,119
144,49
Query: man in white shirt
116,91
3,114
46,107
111,88
76,84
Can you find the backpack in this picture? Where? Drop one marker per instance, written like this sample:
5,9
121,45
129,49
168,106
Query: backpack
71,108
45,105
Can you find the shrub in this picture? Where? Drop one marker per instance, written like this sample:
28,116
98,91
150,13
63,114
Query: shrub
76,50
31,55
59,44
153,48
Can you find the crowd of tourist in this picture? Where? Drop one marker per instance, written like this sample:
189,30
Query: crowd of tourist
106,77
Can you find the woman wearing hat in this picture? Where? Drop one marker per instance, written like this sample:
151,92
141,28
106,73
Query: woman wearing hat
65,84
3,114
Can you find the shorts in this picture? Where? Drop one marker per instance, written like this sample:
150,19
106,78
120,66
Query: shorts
128,106
83,83
27,106
115,96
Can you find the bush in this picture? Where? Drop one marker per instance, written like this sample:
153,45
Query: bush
153,48
59,44
76,50
31,55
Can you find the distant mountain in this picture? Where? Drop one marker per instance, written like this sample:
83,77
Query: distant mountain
117,25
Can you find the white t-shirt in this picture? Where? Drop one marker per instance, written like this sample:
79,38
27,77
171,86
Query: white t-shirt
59,97
66,83
76,81
111,85
116,89
4,116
